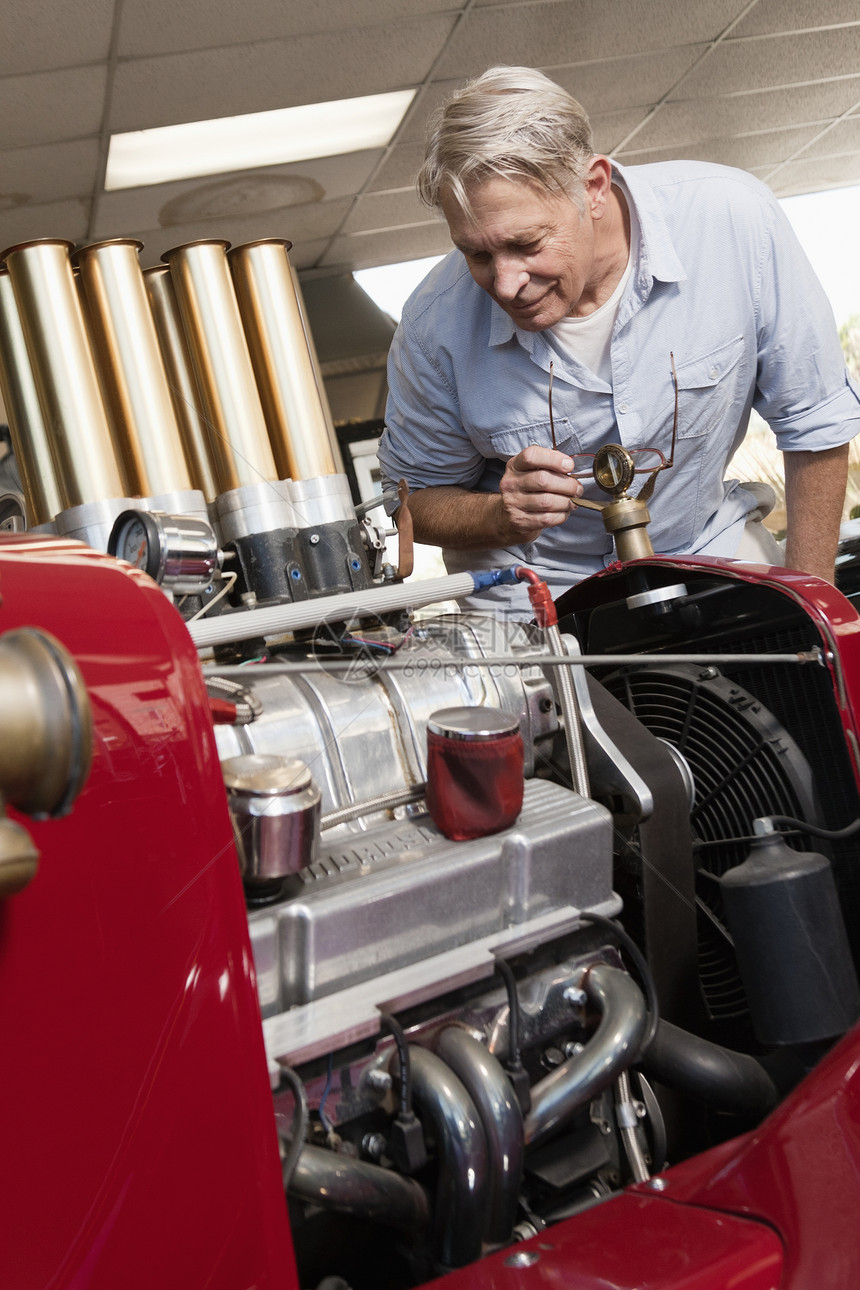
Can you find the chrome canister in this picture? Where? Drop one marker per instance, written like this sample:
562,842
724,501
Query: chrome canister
275,809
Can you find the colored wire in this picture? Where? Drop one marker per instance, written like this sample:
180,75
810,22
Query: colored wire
834,835
324,1121
505,971
369,644
299,1126
229,579
621,939
405,1064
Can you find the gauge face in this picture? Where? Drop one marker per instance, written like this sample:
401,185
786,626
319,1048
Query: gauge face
133,543
135,538
613,468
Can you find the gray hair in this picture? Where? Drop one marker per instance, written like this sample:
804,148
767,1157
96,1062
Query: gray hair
510,123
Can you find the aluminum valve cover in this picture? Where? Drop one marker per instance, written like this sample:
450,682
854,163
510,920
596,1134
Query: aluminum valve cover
403,893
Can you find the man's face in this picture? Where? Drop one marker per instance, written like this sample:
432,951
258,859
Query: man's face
531,250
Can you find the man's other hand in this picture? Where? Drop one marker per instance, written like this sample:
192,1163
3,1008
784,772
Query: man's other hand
536,492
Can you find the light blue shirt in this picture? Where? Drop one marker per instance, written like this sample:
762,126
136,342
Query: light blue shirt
721,282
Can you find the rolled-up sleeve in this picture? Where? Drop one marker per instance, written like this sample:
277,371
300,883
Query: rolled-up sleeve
424,441
803,389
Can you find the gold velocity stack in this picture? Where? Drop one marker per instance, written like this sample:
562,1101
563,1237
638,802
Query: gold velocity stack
187,394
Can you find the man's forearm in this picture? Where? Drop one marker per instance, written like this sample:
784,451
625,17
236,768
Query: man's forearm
456,517
815,485
536,492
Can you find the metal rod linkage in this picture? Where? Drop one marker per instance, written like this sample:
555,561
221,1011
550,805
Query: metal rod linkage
435,662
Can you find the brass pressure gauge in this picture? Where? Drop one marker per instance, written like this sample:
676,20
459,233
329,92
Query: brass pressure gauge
613,469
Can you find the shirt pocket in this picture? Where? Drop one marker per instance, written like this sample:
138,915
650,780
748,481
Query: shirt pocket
505,444
707,388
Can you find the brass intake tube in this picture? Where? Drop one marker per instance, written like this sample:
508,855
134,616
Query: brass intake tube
128,359
175,355
241,453
30,437
64,374
292,399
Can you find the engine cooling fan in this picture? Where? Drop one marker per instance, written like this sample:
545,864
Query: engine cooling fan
744,764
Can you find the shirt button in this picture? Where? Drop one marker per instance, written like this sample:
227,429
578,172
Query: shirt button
713,373
623,407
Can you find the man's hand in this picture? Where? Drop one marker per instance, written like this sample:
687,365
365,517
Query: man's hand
537,493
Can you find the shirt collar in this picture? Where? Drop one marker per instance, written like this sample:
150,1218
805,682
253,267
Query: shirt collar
503,328
658,258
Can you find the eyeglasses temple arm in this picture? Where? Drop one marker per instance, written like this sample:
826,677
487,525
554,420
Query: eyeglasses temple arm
551,422
644,494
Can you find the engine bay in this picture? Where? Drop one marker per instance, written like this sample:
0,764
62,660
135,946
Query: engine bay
682,758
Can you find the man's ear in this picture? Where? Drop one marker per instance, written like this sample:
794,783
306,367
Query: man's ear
598,184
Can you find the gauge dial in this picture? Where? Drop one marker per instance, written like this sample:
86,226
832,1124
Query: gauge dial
613,469
135,537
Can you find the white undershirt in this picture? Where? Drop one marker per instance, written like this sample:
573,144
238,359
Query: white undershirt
587,339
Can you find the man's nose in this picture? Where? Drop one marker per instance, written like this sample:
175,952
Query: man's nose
510,276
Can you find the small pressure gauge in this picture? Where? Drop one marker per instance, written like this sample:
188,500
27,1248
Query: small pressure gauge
179,552
135,537
613,469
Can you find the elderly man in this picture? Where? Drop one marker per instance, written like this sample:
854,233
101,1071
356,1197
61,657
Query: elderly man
616,281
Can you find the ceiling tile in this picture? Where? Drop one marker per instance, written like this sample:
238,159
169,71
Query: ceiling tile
805,176
770,16
54,34
626,82
754,151
556,34
149,207
609,130
365,250
67,220
400,168
426,103
256,77
776,60
296,223
840,138
305,255
46,107
164,27
694,120
50,170
386,210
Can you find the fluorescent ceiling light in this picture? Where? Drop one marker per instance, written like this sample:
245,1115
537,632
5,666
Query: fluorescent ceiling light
389,285
256,139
